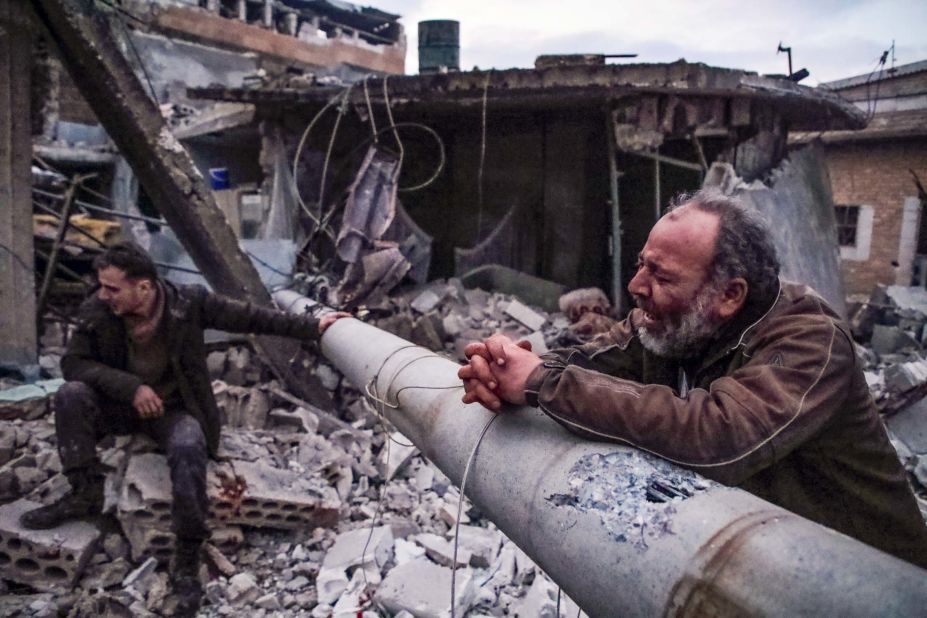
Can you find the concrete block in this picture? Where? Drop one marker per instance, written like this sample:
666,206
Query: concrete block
274,498
329,584
257,495
482,543
243,589
441,550
526,315
43,559
426,301
424,589
397,454
348,550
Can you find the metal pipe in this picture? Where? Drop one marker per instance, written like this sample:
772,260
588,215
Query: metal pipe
581,510
613,177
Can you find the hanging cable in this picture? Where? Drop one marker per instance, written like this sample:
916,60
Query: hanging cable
373,120
463,485
479,175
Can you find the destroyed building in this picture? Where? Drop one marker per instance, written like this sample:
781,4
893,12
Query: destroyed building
319,507
514,165
877,176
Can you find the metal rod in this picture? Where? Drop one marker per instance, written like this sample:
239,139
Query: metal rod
103,209
56,244
665,159
613,177
721,551
656,188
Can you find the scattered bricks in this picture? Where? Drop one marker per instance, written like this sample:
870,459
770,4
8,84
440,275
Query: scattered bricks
43,559
277,498
524,314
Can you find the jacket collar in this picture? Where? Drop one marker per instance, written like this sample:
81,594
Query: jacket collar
740,330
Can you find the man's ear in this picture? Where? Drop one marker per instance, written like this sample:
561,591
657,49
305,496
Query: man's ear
145,285
732,298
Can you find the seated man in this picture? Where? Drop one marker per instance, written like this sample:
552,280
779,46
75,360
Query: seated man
136,363
724,369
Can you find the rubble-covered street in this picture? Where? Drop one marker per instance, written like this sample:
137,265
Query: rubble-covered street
309,231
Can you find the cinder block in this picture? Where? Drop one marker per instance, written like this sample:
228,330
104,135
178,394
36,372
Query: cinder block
274,498
43,559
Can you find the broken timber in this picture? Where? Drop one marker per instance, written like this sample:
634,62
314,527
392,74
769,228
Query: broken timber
164,168
622,532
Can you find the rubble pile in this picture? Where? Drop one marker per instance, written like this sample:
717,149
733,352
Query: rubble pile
444,317
892,329
310,514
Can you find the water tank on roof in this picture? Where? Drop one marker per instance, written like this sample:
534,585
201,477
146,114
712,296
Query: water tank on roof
438,45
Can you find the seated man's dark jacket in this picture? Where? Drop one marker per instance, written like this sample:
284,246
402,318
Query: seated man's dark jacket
97,353
778,405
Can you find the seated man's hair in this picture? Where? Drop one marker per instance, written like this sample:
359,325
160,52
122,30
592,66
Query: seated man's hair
744,247
130,259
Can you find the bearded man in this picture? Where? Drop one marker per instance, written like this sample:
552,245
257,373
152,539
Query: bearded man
137,364
727,370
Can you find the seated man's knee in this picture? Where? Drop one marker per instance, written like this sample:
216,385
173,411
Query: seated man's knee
186,438
71,393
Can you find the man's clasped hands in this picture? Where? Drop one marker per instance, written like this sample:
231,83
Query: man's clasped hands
497,371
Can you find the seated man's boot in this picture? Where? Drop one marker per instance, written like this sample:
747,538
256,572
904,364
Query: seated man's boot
185,577
85,499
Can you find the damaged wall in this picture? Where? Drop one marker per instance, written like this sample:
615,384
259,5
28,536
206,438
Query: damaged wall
797,203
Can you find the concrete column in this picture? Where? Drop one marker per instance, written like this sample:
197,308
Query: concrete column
243,10
212,6
269,14
292,23
17,277
907,243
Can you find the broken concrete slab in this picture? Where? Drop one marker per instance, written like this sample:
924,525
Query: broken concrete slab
348,550
28,401
397,454
43,559
425,302
482,543
891,339
910,426
423,589
524,314
441,550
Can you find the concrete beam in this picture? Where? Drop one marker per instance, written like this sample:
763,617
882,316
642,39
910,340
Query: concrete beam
199,26
164,168
622,532
18,346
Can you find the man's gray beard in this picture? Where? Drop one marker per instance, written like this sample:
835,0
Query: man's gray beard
687,339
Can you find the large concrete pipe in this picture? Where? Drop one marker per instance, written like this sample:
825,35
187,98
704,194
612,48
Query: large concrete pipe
623,533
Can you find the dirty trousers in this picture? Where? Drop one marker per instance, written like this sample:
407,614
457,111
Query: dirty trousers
83,417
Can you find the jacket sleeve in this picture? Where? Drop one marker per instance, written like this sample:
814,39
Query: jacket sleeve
794,383
603,353
234,316
80,364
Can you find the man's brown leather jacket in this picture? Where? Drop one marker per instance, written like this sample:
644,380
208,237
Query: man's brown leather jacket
777,406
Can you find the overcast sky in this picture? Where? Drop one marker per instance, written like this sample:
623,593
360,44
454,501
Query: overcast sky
832,38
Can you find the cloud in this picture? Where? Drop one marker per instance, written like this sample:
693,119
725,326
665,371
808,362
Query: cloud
832,38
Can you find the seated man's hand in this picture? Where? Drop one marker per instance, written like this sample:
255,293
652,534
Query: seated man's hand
497,371
147,403
330,318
